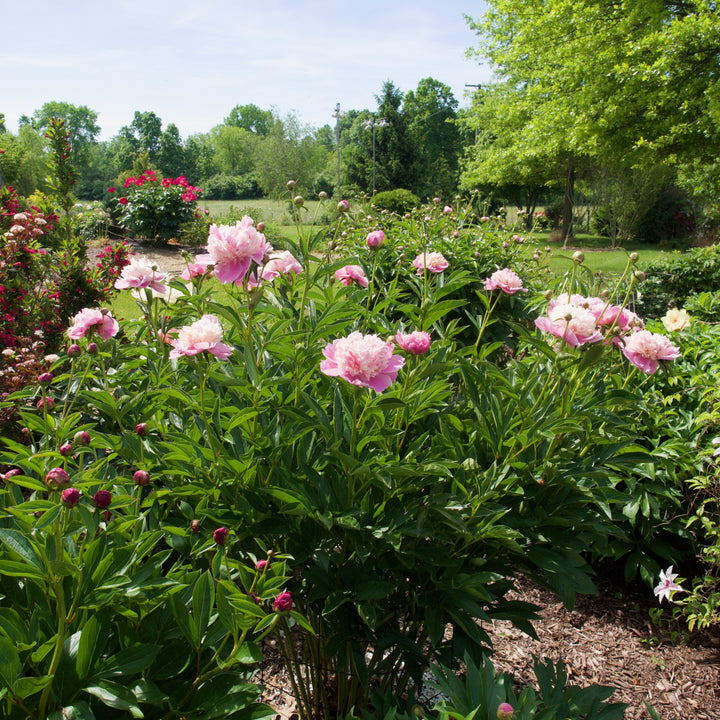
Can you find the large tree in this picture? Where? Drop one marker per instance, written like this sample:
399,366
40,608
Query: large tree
633,81
431,112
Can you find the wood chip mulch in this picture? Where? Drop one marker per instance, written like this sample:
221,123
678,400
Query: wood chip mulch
607,639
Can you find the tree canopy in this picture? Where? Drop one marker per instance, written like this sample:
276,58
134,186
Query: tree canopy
629,81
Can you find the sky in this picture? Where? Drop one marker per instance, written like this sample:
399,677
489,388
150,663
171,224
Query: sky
191,62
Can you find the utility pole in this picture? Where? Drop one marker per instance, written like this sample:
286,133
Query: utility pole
337,115
373,123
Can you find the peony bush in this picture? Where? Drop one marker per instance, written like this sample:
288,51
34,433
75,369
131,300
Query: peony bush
355,452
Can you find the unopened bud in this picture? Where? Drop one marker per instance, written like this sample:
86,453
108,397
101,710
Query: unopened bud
299,200
579,257
291,184
639,276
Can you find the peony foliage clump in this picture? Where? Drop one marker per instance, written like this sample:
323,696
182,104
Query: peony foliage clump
355,453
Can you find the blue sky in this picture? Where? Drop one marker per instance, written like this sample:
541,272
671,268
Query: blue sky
192,62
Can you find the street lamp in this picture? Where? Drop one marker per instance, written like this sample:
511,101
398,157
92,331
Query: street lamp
337,115
373,123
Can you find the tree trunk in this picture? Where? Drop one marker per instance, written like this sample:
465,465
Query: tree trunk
568,203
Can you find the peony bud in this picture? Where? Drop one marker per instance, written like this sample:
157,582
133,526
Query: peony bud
92,348
82,437
70,497
261,226
45,378
283,602
102,499
57,477
141,429
375,239
505,711
322,195
46,403
579,257
343,206
261,564
65,449
74,350
195,526
299,200
291,184
220,535
141,477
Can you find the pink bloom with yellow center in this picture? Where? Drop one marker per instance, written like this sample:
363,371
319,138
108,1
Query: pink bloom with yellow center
434,262
141,273
363,360
416,343
204,335
350,274
506,280
231,249
645,350
93,320
574,324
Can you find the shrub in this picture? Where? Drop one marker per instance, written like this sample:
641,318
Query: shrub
397,201
154,208
675,276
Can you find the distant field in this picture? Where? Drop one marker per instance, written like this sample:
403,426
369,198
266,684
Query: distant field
266,210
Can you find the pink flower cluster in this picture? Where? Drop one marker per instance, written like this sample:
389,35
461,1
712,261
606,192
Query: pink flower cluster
580,320
363,360
416,343
190,193
232,248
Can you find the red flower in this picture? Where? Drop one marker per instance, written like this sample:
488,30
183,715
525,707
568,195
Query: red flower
111,189
123,201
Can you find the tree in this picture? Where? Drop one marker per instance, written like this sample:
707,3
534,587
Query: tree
251,118
80,124
431,111
632,81
144,134
234,149
171,154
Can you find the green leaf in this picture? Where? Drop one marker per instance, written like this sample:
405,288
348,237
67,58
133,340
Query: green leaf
27,686
92,642
129,661
203,601
185,621
10,665
19,544
115,696
79,711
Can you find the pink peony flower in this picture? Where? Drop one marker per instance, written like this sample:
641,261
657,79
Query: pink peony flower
645,350
416,343
231,249
434,262
352,274
375,239
283,602
140,273
667,586
261,564
363,360
203,335
343,206
93,319
574,324
506,280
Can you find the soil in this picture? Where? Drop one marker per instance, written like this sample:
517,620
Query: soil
607,639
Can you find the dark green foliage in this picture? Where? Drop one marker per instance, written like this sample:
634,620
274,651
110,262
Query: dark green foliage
675,276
